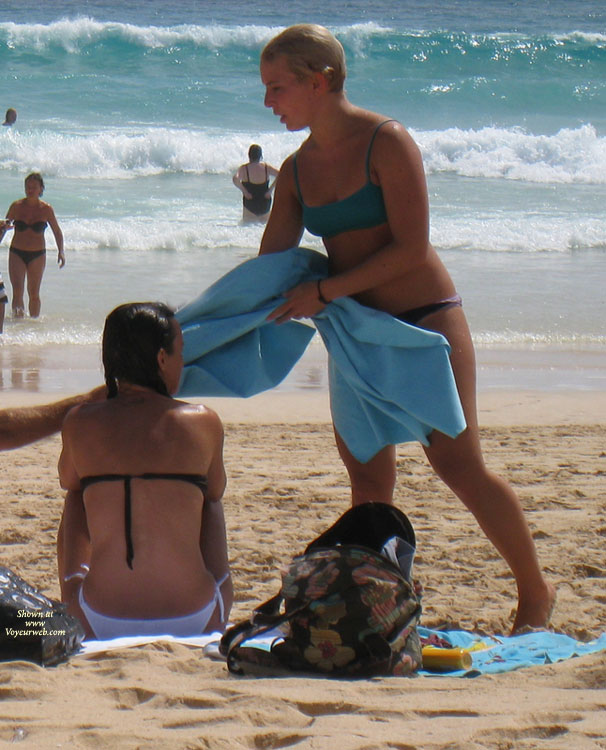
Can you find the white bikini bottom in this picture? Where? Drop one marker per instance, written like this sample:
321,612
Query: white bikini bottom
105,627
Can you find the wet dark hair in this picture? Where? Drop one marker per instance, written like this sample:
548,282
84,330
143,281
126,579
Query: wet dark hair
38,177
133,335
255,152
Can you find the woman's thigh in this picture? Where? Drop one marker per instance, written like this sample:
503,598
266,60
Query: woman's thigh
35,271
17,271
461,455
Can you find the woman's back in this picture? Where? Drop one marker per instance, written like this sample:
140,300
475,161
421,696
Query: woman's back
142,546
142,461
255,172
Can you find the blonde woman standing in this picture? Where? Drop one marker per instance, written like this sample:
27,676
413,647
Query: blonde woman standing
358,182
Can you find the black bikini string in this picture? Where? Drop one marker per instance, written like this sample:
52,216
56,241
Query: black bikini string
130,552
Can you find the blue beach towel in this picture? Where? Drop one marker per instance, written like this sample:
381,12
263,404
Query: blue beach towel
495,654
498,653
389,382
490,654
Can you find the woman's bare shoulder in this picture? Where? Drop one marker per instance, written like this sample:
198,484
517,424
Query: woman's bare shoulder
16,204
287,166
197,412
81,418
394,146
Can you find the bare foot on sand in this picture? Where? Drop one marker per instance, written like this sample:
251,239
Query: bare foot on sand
534,612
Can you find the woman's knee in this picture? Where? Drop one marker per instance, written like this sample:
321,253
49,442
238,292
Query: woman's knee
457,461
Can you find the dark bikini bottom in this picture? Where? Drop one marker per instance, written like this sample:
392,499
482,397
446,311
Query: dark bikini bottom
27,255
415,316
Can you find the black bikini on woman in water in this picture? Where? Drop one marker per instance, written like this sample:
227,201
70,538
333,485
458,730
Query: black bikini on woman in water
27,256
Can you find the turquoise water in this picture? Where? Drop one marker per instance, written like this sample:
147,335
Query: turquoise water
138,114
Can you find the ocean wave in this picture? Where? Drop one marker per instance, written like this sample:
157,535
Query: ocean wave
518,232
208,229
75,35
134,152
572,155
507,339
215,228
51,333
48,331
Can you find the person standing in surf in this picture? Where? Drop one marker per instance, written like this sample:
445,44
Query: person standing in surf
358,182
253,180
29,217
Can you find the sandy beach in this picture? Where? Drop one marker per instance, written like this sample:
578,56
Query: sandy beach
286,484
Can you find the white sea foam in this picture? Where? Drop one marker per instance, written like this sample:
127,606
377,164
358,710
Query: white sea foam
508,339
518,232
134,152
569,156
74,34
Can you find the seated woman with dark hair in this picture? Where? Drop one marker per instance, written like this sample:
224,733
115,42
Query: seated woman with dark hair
142,546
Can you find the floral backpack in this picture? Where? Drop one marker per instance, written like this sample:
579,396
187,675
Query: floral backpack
344,609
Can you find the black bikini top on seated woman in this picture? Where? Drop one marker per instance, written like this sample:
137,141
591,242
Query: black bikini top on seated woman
36,226
199,480
363,209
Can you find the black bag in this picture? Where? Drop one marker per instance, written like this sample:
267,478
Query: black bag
348,610
33,627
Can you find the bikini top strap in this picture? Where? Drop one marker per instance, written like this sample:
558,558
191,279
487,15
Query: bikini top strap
197,479
87,481
370,145
247,175
126,478
128,523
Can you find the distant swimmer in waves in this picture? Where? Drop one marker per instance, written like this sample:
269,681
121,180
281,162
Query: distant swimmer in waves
253,180
10,118
143,548
29,217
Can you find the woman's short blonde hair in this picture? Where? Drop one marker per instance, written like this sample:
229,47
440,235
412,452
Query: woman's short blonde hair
309,48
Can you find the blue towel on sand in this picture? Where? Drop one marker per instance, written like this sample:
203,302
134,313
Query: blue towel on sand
504,654
389,382
494,654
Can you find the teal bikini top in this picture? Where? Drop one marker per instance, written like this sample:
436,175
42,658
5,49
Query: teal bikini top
363,209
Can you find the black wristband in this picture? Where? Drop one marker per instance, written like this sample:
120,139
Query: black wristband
321,297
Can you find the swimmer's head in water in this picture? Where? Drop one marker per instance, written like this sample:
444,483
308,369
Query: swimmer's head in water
10,117
255,152
309,49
